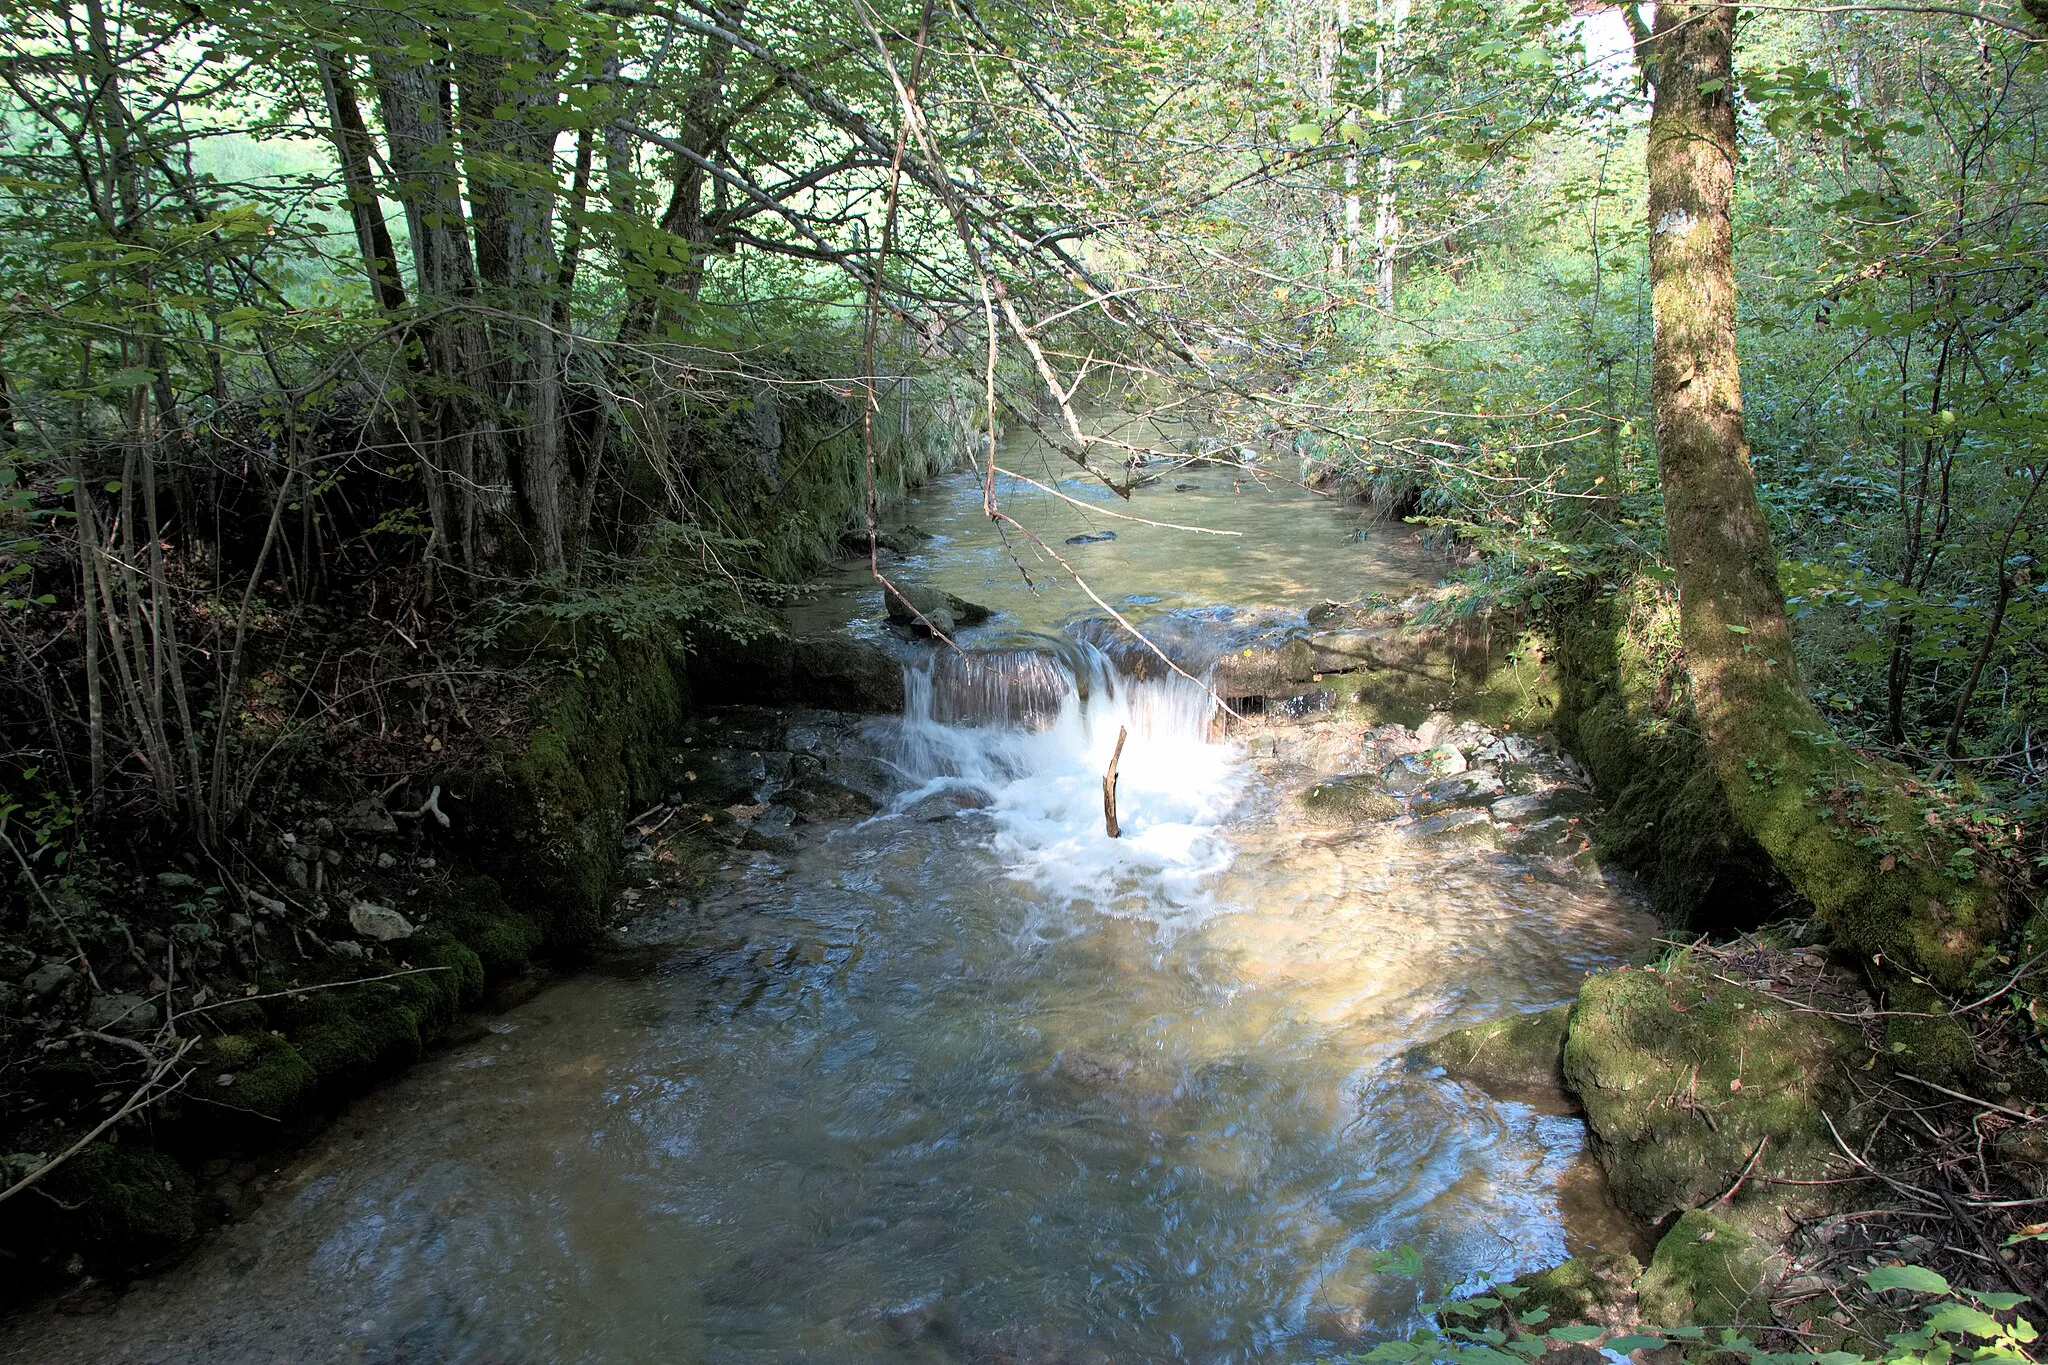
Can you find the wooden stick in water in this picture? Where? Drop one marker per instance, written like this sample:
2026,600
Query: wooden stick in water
1109,787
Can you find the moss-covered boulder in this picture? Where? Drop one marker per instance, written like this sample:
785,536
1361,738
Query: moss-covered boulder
125,1204
1352,799
1684,1078
1708,1270
1521,1053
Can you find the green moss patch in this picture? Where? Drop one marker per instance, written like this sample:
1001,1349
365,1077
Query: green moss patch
1707,1270
1625,709
128,1205
1521,1053
1347,800
1683,1078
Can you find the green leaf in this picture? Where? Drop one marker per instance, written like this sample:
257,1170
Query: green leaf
1305,132
1918,1279
1960,1317
1577,1334
1738,630
1625,1344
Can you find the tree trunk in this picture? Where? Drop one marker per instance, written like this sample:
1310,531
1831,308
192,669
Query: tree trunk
1846,830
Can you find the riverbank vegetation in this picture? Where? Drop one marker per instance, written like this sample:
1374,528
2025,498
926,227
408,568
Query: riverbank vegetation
403,408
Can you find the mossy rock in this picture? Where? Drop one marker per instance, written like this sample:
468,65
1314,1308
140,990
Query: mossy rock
552,811
1708,1270
473,912
1521,1053
127,1205
1349,800
1682,1077
271,1077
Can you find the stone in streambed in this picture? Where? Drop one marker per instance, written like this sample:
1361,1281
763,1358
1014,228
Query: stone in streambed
1343,800
928,609
1540,805
820,798
1473,788
1466,828
1523,1052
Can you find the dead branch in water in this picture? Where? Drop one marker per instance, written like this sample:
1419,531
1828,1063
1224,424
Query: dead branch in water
1109,786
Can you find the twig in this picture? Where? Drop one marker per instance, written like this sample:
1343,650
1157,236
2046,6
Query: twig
1762,1143
1971,1099
1109,786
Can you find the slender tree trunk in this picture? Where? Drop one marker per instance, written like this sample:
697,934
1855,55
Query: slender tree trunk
1844,829
352,149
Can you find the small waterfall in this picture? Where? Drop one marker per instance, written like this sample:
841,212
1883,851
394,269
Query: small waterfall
1026,735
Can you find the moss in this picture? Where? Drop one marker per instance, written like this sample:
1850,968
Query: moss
1935,1049
1585,1289
1683,1078
1525,1052
1625,709
473,912
271,1076
1347,799
128,1205
1707,1270
554,810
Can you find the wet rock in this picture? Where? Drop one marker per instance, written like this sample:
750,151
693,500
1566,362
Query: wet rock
1540,805
913,1321
295,873
1520,1053
176,881
907,602
124,1016
1464,828
1556,836
369,816
718,777
1446,759
944,805
1093,539
846,675
1343,800
823,799
379,922
1474,787
343,948
1406,775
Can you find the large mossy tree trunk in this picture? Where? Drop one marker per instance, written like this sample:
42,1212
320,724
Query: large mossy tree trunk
1847,831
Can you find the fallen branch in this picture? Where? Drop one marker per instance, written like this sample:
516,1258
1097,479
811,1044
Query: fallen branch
1109,786
141,1097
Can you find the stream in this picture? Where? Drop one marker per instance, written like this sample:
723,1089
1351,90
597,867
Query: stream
964,1080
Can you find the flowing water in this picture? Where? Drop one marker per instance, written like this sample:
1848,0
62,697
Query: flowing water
967,1081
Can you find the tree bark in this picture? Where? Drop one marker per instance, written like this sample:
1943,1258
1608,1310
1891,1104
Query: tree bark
1846,830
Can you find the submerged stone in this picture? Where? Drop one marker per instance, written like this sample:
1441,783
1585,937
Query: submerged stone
1475,787
1464,827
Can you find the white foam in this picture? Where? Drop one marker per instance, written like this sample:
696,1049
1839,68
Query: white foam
1043,784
